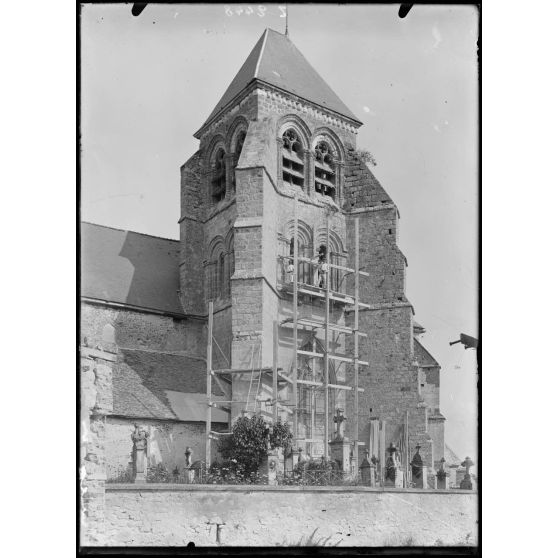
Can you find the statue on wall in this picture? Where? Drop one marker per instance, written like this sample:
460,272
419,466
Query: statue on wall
139,452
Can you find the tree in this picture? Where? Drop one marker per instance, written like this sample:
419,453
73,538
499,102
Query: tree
245,449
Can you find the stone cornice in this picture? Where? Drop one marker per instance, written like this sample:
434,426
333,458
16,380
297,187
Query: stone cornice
298,104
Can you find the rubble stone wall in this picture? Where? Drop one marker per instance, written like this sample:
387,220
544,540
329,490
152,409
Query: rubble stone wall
171,516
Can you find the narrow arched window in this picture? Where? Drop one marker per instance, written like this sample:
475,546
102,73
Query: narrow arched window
236,157
218,177
292,159
231,269
304,271
221,275
324,170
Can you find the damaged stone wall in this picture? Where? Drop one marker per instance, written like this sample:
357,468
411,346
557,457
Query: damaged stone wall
96,404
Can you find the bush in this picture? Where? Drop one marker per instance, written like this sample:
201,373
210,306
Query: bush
158,474
365,156
245,449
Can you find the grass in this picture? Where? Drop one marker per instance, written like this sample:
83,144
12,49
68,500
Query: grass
312,541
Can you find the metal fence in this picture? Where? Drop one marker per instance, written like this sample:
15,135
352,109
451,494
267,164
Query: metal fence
227,476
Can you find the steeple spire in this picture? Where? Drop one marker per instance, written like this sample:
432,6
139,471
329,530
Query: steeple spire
275,60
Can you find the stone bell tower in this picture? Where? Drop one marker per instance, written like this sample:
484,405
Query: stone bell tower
279,136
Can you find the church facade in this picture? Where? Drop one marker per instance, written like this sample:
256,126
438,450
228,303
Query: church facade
279,143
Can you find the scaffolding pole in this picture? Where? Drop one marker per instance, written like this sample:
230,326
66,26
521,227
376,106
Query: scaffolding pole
295,318
275,371
356,337
326,293
209,362
326,350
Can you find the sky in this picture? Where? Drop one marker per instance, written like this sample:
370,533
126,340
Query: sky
149,82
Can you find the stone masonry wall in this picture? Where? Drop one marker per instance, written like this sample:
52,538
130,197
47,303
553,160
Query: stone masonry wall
96,404
391,380
191,235
242,516
166,444
140,330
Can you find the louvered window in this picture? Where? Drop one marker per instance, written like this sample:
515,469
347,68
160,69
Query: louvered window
293,159
324,170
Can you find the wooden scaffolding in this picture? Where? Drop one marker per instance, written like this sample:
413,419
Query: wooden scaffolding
278,375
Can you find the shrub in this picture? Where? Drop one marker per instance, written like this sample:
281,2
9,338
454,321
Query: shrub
158,474
245,449
365,156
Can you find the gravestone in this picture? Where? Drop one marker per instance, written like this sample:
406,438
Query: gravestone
418,470
340,447
188,469
442,476
466,483
391,466
368,470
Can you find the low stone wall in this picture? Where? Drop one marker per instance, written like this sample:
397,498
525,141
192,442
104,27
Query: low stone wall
174,515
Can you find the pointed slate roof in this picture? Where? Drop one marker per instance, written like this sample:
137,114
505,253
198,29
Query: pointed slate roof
276,60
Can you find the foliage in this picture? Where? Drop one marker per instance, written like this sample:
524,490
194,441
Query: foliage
245,449
281,437
365,156
158,474
235,474
122,476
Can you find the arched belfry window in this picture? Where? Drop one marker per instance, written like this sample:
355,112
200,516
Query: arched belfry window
219,177
304,268
324,170
292,158
239,144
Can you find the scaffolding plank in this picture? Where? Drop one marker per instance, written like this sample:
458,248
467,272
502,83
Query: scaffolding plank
347,359
335,327
309,383
335,266
265,370
310,354
285,379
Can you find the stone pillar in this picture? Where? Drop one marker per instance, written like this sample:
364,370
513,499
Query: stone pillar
374,437
279,162
340,178
353,462
424,475
309,164
139,452
340,451
466,483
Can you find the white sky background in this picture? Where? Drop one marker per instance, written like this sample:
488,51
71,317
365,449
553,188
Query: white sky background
149,82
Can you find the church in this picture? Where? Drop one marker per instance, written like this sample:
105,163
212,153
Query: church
284,296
